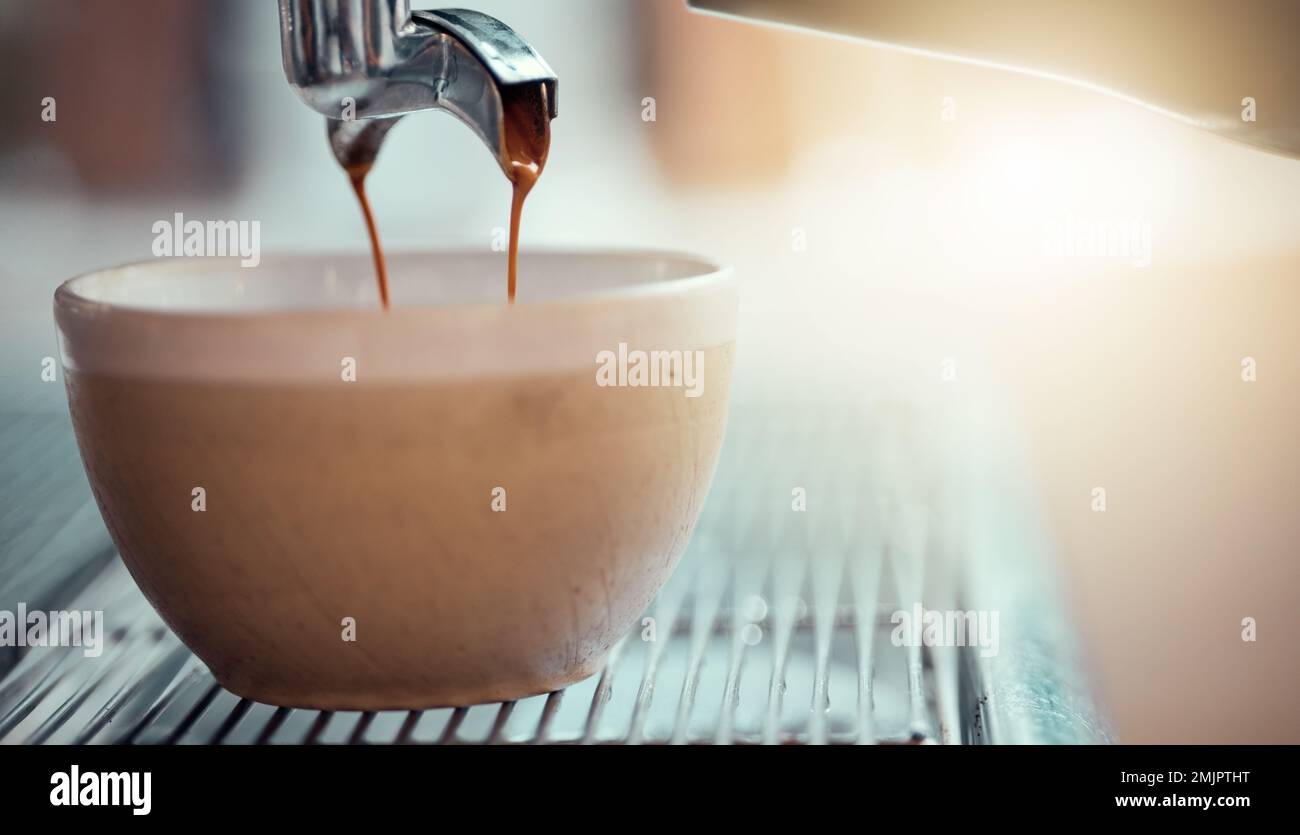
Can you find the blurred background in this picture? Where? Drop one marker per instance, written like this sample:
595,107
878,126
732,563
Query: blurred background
893,218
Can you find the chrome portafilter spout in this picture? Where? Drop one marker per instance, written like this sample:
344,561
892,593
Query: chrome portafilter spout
363,64
356,143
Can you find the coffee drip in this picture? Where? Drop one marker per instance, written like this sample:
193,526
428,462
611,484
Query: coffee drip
526,135
357,174
525,145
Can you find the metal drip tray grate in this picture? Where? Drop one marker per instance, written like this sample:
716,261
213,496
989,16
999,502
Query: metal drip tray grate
775,629
712,678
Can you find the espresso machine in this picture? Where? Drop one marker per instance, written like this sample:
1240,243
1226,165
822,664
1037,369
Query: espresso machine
1229,69
759,644
814,666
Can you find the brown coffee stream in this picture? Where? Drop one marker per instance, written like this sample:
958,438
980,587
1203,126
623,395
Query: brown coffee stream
526,139
357,174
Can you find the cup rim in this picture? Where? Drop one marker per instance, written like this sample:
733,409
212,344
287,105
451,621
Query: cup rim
417,341
710,273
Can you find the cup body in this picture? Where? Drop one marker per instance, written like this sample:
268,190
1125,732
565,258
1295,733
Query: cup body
445,504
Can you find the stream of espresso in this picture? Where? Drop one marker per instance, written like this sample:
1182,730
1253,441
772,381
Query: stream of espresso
526,141
357,174
527,138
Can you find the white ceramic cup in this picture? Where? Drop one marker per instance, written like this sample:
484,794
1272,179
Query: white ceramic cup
452,502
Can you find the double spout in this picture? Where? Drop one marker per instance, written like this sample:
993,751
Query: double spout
365,63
